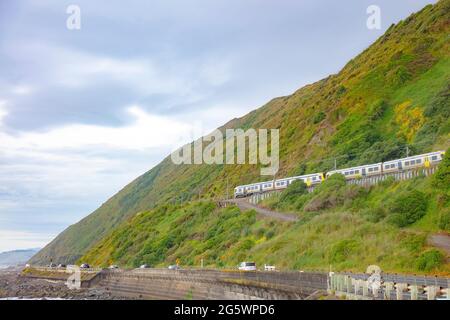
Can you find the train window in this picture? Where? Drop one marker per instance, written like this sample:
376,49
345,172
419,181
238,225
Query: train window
407,163
434,158
370,169
386,167
419,161
375,169
356,171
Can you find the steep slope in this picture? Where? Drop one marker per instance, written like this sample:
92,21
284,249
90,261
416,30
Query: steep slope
393,94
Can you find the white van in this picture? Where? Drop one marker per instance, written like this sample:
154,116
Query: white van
247,266
269,268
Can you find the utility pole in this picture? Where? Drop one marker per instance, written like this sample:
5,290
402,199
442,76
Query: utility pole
407,151
228,197
335,164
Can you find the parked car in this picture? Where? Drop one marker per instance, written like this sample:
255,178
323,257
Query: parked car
85,266
113,266
62,265
144,266
52,265
247,266
174,267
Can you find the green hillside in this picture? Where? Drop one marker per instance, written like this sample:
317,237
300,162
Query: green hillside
345,226
393,94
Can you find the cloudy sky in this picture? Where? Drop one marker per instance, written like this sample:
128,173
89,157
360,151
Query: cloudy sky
83,112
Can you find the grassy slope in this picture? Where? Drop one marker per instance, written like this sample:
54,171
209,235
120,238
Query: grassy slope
394,93
345,234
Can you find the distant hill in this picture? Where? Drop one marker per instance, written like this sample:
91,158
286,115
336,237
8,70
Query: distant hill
395,93
16,257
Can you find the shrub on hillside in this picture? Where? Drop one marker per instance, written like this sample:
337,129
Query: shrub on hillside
296,189
319,117
444,220
407,208
429,260
333,193
374,214
341,250
441,179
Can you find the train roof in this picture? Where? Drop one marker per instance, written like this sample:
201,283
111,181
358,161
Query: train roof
415,157
281,179
354,168
344,169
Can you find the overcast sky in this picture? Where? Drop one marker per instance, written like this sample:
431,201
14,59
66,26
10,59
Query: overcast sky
83,112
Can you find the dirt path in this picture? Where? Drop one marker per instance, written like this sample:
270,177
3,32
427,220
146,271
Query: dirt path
245,205
441,241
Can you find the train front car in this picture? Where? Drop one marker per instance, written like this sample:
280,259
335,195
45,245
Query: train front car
239,192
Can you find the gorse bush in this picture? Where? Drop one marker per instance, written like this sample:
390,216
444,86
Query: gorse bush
430,260
296,189
319,117
332,193
408,207
444,219
441,179
341,251
374,214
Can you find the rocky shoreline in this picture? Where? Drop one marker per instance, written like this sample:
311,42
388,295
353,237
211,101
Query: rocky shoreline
13,285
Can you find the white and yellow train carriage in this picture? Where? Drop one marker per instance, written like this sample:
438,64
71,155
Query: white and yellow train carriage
309,179
357,172
422,160
249,189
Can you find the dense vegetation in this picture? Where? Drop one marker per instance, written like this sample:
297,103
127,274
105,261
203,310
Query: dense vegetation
399,204
393,94
343,226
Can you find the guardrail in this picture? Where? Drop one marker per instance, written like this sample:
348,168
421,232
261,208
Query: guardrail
66,270
391,287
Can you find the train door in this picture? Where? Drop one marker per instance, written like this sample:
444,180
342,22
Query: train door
308,182
363,172
427,162
400,167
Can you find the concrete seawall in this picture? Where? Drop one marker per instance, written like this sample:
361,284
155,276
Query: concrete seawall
209,284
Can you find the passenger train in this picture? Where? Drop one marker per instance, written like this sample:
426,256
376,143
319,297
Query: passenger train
422,160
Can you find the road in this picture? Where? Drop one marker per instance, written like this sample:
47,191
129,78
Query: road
441,241
243,204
